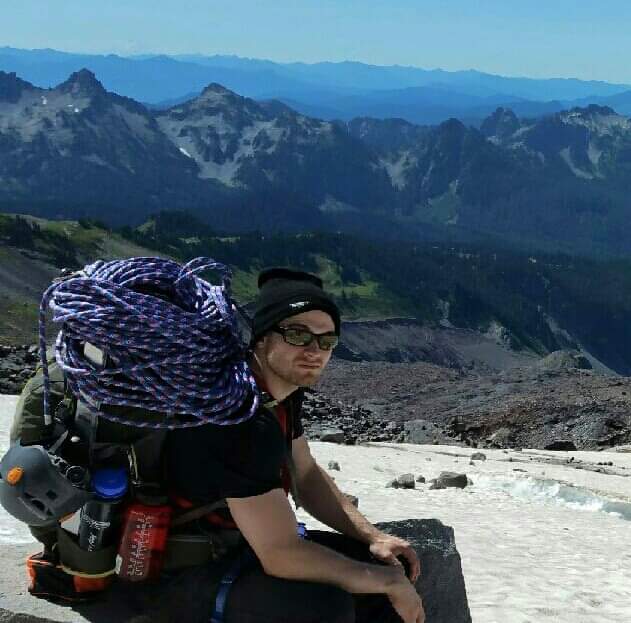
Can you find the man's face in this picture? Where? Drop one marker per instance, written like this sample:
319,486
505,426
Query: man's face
299,365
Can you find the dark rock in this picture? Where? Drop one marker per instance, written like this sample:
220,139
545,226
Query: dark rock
560,444
334,465
420,479
478,456
334,436
450,479
443,589
405,481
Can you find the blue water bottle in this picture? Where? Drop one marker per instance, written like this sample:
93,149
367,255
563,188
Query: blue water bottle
100,517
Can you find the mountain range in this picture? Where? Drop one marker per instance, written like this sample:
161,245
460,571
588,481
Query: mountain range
325,90
79,150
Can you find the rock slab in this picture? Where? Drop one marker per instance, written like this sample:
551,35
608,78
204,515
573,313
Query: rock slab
441,584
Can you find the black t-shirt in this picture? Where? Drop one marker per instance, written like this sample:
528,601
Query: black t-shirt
211,462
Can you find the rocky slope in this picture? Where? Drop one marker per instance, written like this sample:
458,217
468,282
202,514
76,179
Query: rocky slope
557,401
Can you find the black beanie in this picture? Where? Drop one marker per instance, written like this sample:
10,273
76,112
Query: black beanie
283,293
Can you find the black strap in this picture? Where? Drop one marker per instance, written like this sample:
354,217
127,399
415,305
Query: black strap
196,513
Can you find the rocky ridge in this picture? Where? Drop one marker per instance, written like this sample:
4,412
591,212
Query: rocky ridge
76,148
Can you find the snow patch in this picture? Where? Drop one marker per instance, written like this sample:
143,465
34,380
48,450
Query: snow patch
95,159
185,152
443,308
498,333
397,168
567,158
593,153
332,205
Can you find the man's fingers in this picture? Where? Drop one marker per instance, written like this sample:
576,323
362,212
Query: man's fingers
393,560
415,565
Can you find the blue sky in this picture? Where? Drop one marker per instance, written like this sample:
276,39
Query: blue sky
583,39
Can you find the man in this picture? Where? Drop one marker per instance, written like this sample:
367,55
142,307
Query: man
327,577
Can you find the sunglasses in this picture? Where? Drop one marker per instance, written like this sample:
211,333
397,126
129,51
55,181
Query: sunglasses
303,337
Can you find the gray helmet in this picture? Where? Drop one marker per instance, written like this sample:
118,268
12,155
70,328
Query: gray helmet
38,488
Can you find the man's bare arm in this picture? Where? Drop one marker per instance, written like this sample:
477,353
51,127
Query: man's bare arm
323,500
268,523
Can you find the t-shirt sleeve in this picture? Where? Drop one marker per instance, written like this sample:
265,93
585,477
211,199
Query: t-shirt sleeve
298,429
235,461
297,426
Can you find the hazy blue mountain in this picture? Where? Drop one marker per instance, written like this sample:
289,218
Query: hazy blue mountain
373,77
153,79
620,102
330,90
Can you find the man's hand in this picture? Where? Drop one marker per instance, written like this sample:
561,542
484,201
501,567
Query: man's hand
406,601
386,547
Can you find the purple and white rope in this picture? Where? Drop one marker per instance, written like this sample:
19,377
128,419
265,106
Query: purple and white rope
180,357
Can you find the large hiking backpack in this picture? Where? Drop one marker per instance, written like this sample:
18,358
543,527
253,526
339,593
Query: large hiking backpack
67,424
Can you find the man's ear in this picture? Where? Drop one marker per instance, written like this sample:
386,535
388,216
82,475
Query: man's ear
259,345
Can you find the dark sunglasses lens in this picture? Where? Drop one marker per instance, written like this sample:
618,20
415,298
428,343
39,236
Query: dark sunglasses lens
297,337
327,342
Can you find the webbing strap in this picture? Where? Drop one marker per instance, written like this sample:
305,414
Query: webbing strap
224,587
232,574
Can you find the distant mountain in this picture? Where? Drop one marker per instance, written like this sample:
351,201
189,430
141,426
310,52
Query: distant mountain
79,150
325,90
78,144
152,79
620,102
366,77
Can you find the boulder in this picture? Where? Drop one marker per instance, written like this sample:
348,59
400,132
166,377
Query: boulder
561,444
334,465
424,432
333,435
441,585
560,360
404,481
478,456
450,479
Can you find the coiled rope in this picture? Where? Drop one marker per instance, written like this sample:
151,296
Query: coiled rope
171,341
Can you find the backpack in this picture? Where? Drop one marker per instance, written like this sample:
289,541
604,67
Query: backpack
64,448
64,572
